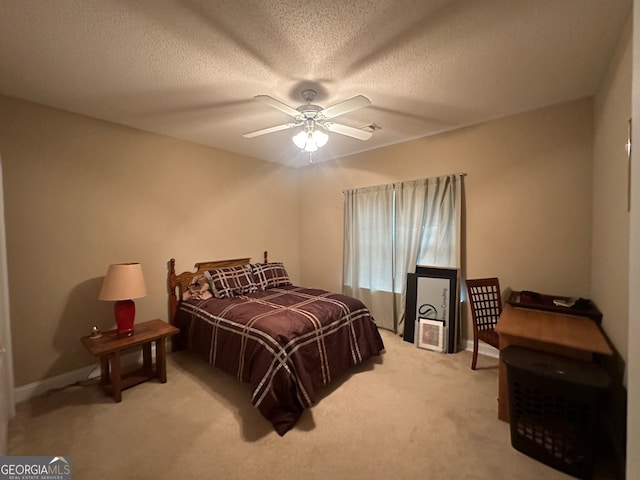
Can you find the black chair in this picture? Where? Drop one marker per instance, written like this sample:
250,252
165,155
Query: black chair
486,307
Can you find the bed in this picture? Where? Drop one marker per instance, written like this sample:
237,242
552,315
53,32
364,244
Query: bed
286,341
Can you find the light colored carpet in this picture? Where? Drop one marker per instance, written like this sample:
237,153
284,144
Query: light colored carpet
408,414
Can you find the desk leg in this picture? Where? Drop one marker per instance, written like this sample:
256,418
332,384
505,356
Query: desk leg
147,366
104,370
161,363
116,376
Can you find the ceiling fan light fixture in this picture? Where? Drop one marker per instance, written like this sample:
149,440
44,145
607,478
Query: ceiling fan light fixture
320,138
300,139
310,140
310,146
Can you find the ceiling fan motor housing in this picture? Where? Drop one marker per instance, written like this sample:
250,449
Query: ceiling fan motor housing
309,111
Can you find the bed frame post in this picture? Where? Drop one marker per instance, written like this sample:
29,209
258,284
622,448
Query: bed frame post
265,257
171,284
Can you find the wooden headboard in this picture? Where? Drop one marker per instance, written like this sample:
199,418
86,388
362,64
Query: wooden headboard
178,284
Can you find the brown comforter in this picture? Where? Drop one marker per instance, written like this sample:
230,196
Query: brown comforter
285,342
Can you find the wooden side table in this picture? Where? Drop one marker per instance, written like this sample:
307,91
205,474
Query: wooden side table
110,346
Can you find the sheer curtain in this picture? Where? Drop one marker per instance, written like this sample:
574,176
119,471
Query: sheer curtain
392,228
368,250
428,223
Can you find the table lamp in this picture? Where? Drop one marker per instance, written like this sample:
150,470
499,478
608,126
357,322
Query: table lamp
123,283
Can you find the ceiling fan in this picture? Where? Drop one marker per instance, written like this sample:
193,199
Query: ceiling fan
311,116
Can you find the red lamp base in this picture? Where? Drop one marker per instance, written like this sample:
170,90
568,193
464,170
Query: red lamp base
125,311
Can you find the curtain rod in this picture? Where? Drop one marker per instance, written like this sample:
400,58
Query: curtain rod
404,181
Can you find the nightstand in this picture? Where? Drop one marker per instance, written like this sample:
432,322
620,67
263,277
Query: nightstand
110,346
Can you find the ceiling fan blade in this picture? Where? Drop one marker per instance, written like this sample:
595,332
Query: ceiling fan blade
346,130
271,129
278,105
347,106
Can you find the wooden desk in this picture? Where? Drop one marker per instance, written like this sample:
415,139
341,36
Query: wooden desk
570,336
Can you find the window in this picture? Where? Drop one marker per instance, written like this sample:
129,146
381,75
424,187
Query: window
389,230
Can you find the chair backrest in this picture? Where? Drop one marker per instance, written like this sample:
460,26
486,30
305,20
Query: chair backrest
485,301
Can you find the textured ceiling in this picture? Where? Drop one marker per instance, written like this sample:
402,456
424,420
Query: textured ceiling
190,68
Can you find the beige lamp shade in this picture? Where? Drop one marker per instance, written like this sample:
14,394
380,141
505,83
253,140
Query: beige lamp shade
124,281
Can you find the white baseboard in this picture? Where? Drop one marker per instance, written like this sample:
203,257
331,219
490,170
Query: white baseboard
30,390
483,349
25,392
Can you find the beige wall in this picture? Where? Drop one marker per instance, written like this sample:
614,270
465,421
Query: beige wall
81,194
527,189
633,352
610,257
610,253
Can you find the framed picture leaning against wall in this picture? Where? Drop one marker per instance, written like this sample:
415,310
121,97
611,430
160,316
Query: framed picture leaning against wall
433,299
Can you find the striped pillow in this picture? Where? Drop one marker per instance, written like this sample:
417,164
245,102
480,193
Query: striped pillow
270,275
228,282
